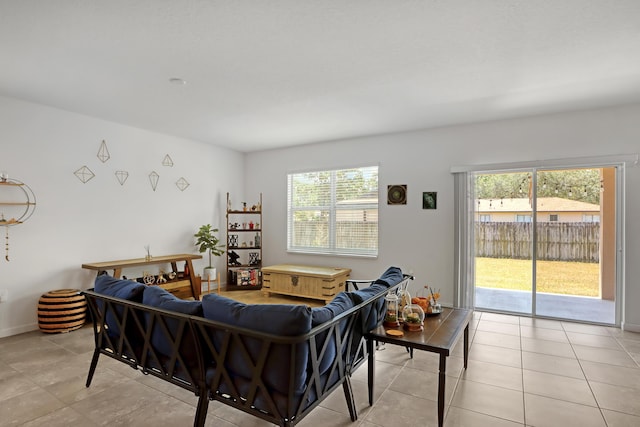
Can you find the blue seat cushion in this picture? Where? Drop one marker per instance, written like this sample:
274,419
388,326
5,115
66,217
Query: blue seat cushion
276,319
320,315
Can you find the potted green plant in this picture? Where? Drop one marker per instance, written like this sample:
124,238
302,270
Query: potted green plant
206,240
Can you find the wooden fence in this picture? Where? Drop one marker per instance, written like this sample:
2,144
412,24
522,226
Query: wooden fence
557,241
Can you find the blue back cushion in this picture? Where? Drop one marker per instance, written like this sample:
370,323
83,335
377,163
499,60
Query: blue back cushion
320,315
119,288
391,277
155,296
276,319
373,314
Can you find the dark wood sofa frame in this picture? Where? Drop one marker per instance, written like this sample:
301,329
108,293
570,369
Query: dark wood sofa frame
192,354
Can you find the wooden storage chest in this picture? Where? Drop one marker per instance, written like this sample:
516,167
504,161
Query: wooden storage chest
304,281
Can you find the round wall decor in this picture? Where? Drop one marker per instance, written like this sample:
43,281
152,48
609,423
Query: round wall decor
397,194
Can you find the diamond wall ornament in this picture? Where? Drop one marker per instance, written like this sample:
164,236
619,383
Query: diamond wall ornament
182,184
103,152
153,179
122,176
84,174
167,161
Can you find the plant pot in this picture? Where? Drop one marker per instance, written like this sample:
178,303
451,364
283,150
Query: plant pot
209,273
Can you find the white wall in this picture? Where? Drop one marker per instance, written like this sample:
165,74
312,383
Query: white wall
76,223
422,241
101,220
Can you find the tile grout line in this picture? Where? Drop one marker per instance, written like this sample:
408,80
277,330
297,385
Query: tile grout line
604,420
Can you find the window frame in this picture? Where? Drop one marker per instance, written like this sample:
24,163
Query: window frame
333,208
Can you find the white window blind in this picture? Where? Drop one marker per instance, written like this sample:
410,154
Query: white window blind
333,212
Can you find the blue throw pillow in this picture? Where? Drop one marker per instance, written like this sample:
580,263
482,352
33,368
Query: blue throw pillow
276,319
320,315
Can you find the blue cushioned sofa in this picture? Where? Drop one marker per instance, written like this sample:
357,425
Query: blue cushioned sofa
274,361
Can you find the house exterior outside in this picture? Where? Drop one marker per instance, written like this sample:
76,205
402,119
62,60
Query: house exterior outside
550,209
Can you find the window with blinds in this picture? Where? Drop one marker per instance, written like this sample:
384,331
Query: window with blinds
333,212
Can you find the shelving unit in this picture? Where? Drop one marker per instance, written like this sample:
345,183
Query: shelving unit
244,246
17,202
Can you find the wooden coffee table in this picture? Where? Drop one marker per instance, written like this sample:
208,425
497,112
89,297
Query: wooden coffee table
440,335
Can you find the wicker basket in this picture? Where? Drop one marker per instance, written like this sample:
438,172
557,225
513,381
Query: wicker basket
62,310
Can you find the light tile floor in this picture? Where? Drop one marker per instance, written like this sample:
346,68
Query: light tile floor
522,372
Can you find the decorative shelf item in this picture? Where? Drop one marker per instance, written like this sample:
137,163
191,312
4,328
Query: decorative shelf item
413,317
17,204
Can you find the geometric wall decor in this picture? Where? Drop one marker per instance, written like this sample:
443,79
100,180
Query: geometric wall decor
167,161
153,179
182,184
122,176
103,152
397,194
84,174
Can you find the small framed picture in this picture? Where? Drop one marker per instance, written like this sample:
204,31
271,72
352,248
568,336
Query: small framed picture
429,200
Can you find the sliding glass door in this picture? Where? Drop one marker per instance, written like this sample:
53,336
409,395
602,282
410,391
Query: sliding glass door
503,234
545,242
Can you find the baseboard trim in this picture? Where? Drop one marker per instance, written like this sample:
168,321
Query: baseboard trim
18,330
626,326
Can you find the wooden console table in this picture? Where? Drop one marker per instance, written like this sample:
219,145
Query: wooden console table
183,285
305,281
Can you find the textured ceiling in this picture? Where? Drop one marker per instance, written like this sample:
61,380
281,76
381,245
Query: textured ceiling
265,74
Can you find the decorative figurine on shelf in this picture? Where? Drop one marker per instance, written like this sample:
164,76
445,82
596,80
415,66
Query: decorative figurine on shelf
148,279
254,208
234,225
244,206
233,258
148,256
253,258
161,277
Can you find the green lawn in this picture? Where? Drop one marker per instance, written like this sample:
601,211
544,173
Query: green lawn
558,277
